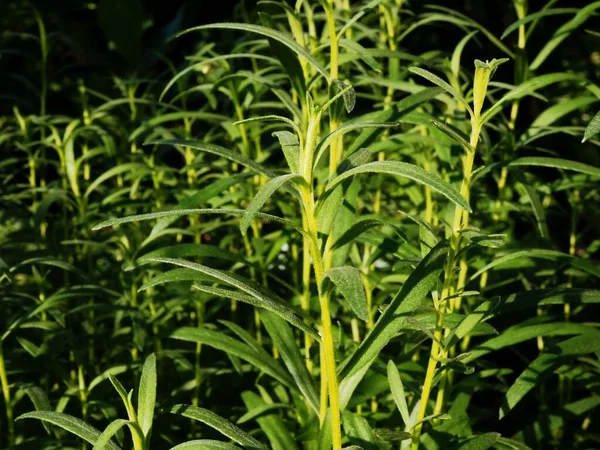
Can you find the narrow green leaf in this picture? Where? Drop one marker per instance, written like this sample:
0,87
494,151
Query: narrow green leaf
481,442
562,33
398,391
286,56
191,212
362,53
187,250
454,134
457,53
526,88
410,171
147,395
284,340
269,33
205,444
199,198
484,240
349,384
593,128
40,401
69,423
556,163
359,431
324,441
545,364
123,394
290,145
324,144
441,83
348,281
264,194
218,423
524,332
361,226
236,348
112,429
262,410
174,276
536,205
70,166
216,150
349,94
268,118
330,203
539,253
535,17
267,300
136,168
272,425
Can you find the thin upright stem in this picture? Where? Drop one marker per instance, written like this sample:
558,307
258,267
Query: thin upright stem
329,371
7,399
437,352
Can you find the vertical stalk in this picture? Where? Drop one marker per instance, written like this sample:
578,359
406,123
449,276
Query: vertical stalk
327,347
7,399
460,216
329,381
335,150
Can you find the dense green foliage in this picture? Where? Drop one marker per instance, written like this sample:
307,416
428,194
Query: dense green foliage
329,225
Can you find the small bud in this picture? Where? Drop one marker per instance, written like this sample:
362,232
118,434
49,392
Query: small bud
483,73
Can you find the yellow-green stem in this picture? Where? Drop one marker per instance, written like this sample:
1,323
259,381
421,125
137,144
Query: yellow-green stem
440,306
7,399
327,347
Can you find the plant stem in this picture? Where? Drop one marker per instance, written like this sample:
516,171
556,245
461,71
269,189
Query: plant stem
436,351
7,399
327,347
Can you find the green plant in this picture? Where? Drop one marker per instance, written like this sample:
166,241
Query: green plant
330,235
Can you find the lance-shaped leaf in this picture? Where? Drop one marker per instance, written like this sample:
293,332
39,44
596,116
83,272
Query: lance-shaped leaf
201,197
264,194
112,429
348,281
269,33
324,144
218,423
283,339
279,435
267,300
409,171
192,212
69,423
557,163
236,348
441,83
349,95
419,283
363,225
453,134
291,148
593,128
147,395
563,32
216,150
398,391
481,442
546,363
359,431
205,444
